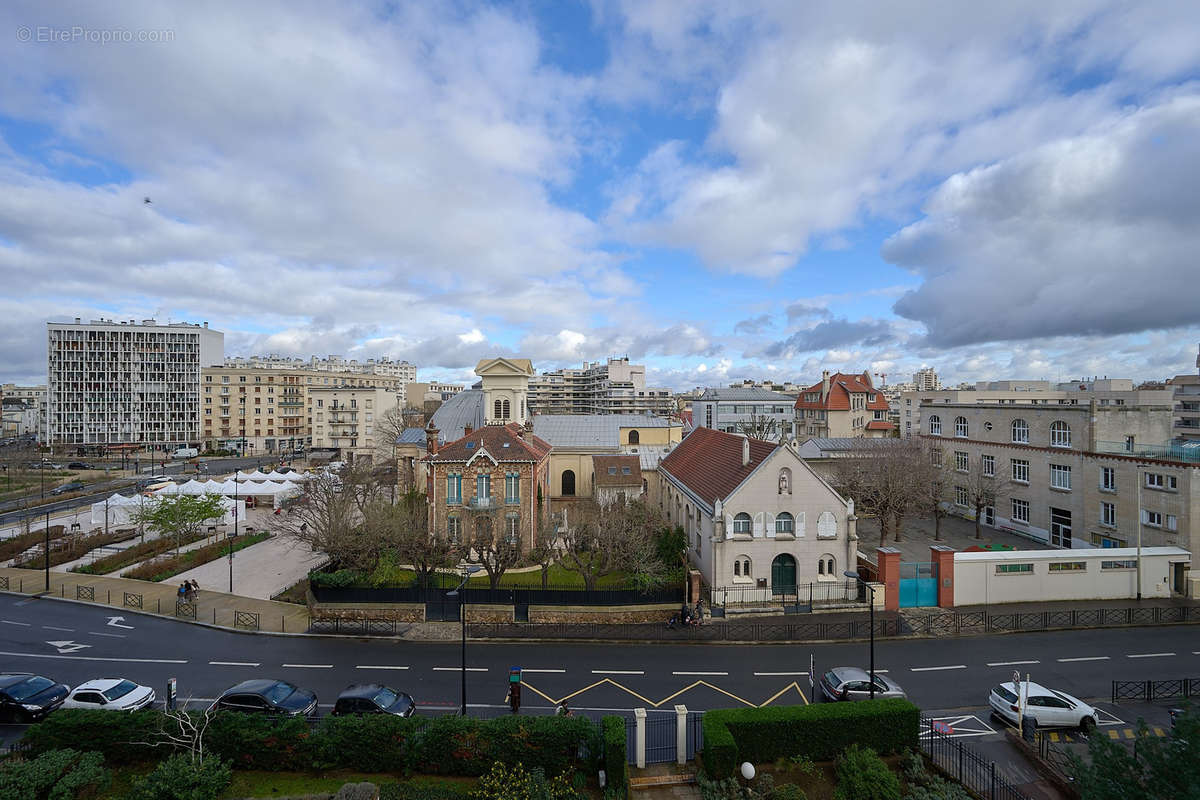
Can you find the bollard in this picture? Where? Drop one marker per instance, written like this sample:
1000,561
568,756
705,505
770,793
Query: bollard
681,734
110,597
639,715
214,616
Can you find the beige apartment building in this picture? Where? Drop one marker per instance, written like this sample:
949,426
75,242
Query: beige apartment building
1186,390
268,411
612,387
1073,474
345,419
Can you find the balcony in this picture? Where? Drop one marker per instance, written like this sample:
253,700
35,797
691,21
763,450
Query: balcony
481,503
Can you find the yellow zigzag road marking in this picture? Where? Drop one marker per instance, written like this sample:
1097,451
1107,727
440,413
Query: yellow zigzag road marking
670,697
792,685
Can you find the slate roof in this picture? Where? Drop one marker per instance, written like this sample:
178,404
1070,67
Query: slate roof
741,394
709,462
411,436
502,442
611,471
454,415
591,430
841,386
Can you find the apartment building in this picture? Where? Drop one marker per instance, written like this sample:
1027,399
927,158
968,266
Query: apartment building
612,387
384,367
782,387
32,395
1072,475
416,393
926,380
757,412
1186,389
345,420
115,382
842,405
268,411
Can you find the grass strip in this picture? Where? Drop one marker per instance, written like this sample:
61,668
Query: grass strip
135,554
162,568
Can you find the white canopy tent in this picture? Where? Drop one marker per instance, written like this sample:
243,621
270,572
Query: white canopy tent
119,510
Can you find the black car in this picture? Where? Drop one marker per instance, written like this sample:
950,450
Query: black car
265,696
29,698
78,465
371,698
73,486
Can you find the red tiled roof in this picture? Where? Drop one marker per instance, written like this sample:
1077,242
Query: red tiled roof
493,438
879,425
841,386
601,466
709,462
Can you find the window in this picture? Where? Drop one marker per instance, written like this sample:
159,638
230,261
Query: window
1172,523
962,462
454,530
737,568
1128,563
1014,569
1060,434
568,483
829,565
988,465
935,456
1108,514
1152,518
1108,479
1060,477
1020,470
1020,431
961,497
785,523
1020,511
454,488
497,409
745,568
512,488
1156,480
483,486
512,529
960,426
505,410
1068,566
935,425
742,523
635,437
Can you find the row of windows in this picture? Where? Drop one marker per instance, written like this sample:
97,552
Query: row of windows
1064,566
785,523
512,529
483,488
1060,432
826,565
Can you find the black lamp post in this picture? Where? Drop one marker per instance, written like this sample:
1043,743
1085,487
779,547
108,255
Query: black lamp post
870,588
46,530
462,616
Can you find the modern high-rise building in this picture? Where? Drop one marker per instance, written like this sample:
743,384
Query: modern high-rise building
926,380
122,382
612,387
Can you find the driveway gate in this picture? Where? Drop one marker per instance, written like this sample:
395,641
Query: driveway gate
918,584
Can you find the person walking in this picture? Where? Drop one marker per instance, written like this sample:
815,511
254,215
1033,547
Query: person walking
194,589
183,592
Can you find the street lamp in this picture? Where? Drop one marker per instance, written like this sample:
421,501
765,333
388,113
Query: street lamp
46,530
855,576
462,615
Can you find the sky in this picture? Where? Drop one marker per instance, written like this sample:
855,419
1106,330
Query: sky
718,190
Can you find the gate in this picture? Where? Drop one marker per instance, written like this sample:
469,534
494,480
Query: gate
660,739
918,584
440,608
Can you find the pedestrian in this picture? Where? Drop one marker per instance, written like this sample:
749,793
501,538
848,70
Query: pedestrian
563,711
193,590
183,590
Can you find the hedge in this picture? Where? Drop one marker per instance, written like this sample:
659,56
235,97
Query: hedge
163,567
616,768
54,775
112,735
15,545
69,548
132,555
820,732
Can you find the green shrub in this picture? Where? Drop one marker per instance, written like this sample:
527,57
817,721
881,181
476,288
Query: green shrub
862,775
925,785
425,790
516,783
466,746
374,743
54,775
339,579
115,736
819,732
259,741
787,791
178,778
616,765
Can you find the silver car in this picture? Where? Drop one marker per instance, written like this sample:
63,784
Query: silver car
854,683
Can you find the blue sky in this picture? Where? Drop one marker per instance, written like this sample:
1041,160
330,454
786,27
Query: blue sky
721,191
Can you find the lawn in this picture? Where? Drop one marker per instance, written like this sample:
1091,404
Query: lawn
558,578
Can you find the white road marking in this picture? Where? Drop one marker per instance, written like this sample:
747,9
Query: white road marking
1011,663
618,672
10,622
459,669
308,666
379,666
1148,655
99,658
234,663
52,628
526,669
932,669
1084,658
113,635
699,673
773,674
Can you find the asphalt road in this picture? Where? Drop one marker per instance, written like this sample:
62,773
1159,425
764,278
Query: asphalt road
72,643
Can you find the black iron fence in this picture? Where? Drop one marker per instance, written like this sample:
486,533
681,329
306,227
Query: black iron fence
1149,691
1053,756
966,766
505,595
801,598
959,622
714,631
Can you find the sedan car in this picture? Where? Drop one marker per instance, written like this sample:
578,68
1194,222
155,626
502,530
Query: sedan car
29,698
371,698
110,694
265,696
853,683
73,486
1048,707
78,465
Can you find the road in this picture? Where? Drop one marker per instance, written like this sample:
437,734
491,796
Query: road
72,643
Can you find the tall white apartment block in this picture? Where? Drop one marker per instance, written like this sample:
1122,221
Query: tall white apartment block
926,380
612,387
123,382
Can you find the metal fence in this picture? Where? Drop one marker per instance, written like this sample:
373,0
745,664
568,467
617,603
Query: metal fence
1053,756
798,599
711,631
1149,691
959,622
966,766
505,595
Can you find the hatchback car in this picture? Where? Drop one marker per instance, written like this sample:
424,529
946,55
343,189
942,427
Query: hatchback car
110,694
853,683
1048,707
73,486
371,698
265,696
29,698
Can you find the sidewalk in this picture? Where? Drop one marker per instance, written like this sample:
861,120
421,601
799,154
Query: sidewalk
123,594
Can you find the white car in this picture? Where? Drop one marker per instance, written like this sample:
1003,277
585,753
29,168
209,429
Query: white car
110,694
1048,707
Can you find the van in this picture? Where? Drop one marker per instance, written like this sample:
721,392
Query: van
185,452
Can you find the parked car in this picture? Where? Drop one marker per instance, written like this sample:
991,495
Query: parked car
73,486
266,696
151,480
285,470
853,683
110,694
79,465
1048,707
29,698
372,698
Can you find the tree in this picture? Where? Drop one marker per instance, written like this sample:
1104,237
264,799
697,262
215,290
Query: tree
933,486
885,482
603,541
388,427
179,515
547,543
401,531
326,520
983,491
490,544
1156,768
761,426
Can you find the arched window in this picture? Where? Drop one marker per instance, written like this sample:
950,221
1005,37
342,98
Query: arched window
745,568
635,437
960,426
505,410
826,567
785,481
1020,431
1060,434
568,483
497,408
785,523
737,568
935,425
742,523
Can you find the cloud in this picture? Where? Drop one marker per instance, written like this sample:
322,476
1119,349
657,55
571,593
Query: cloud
753,325
1093,234
802,310
832,333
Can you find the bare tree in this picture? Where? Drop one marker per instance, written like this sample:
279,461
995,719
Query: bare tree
603,541
401,531
547,543
490,543
884,483
326,519
983,491
390,424
184,730
761,426
935,478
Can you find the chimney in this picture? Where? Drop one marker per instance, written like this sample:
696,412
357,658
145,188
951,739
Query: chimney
431,439
467,429
824,385
745,451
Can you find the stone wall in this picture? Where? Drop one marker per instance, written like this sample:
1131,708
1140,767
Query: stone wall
605,615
